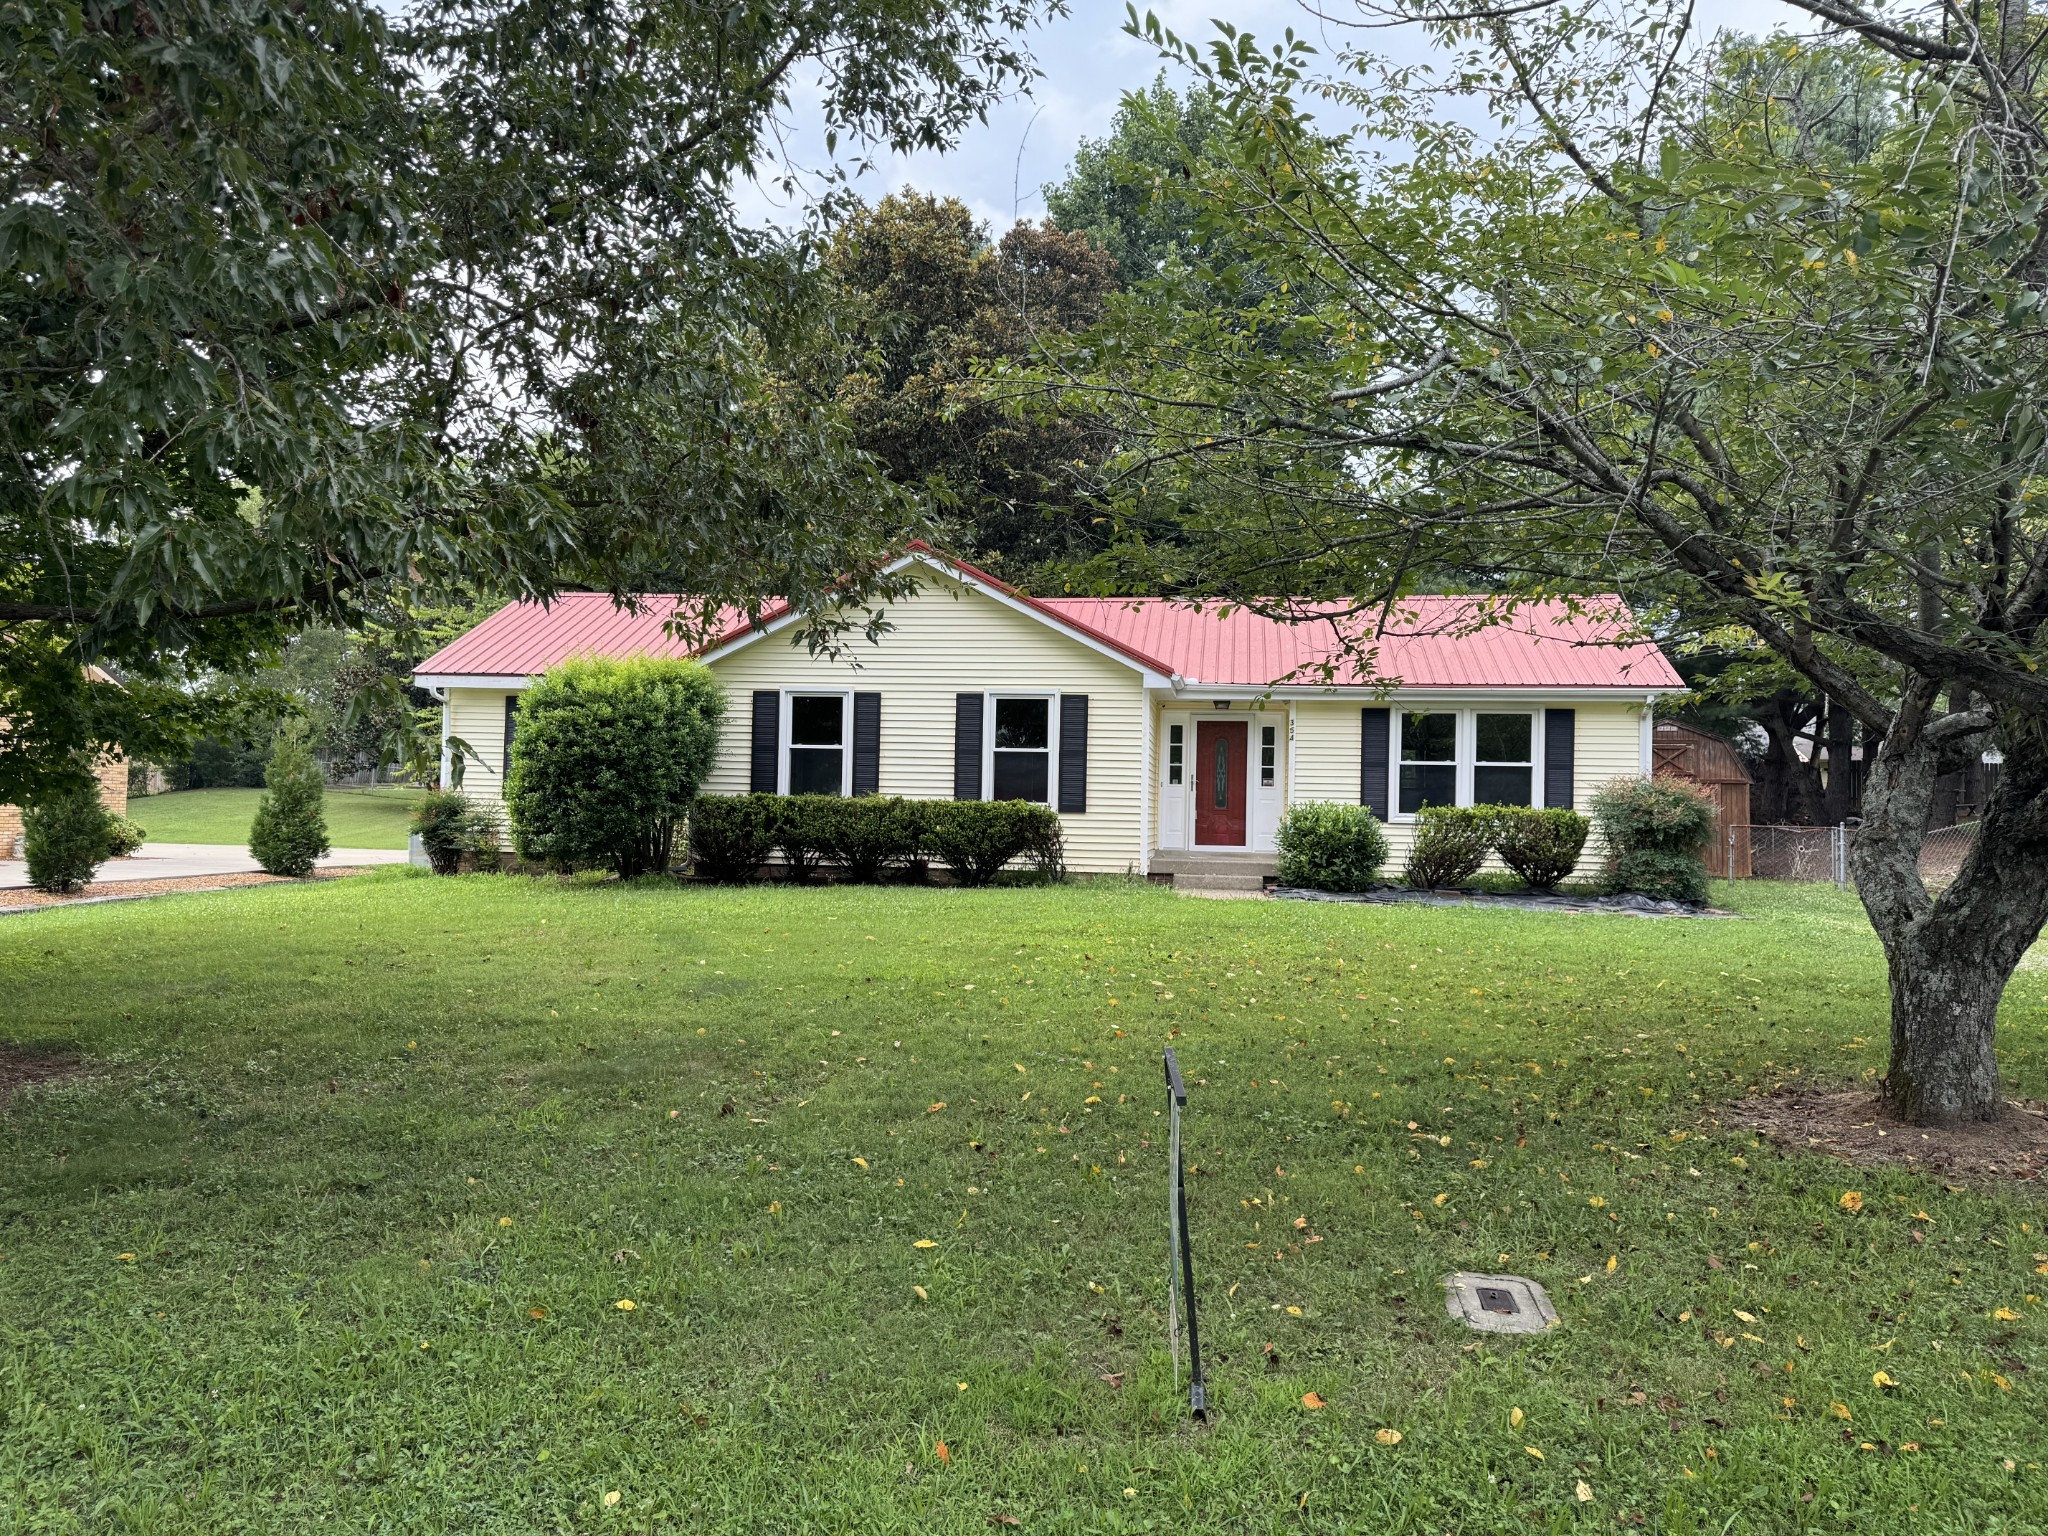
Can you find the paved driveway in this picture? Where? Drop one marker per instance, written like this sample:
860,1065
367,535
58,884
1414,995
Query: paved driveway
178,861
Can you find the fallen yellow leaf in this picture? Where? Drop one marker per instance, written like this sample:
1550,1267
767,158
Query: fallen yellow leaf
1387,1436
1294,1311
1840,1410
1533,1452
861,1163
1515,1417
1882,1379
1311,1400
1584,1491
1440,1199
1852,1200
919,1290
2003,1314
1613,1262
611,1498
939,1450
1744,1316
924,1242
624,1305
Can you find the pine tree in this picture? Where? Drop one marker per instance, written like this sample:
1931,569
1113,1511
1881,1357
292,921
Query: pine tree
290,830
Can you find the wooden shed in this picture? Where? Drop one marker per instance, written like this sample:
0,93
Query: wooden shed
1709,761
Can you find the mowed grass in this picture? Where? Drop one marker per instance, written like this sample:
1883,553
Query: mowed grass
375,817
340,1229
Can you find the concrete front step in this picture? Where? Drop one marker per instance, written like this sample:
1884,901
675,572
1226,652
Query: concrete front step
1215,871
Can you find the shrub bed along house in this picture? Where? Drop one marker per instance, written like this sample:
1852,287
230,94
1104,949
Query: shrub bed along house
1451,842
867,836
1540,846
1657,832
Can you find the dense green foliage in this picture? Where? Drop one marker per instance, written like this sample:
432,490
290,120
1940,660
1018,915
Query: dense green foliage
939,304
874,835
289,834
804,829
307,308
1541,845
1330,846
732,836
1451,842
978,839
405,1143
66,835
1656,831
451,827
607,757
124,836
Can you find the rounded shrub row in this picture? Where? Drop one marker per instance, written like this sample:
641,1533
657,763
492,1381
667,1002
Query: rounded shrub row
870,837
1326,846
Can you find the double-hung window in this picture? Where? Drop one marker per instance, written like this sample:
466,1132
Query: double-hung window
1504,759
1020,748
1465,757
817,745
1429,760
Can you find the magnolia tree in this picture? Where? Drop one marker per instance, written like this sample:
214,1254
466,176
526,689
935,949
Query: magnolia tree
1660,325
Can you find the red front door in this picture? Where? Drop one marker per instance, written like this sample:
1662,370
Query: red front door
1219,782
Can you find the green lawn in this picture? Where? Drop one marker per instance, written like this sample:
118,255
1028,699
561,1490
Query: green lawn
340,1227
356,818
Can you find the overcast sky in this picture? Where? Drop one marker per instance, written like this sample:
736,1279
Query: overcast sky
1089,62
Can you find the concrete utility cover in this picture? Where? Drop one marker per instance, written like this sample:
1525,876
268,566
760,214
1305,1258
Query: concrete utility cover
1499,1303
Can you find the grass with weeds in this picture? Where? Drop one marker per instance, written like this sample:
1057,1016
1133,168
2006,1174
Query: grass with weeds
376,817
342,1222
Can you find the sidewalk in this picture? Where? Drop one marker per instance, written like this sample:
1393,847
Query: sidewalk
183,861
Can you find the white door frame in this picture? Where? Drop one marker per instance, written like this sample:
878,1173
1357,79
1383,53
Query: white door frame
1177,801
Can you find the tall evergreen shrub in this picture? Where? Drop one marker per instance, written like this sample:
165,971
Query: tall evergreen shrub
608,757
289,835
66,835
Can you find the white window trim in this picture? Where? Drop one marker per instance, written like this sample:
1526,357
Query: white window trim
1052,743
1168,763
1465,751
789,696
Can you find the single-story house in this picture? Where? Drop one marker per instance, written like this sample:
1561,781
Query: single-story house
1164,733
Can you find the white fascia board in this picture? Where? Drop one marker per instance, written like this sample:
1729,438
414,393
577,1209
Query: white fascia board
1151,678
496,682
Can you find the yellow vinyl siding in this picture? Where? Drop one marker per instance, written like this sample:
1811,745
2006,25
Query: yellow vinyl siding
477,715
1607,744
948,639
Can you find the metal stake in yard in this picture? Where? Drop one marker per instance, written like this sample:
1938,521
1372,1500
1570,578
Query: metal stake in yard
1180,1256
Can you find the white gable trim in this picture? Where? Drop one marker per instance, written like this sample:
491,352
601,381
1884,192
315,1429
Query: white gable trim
1152,679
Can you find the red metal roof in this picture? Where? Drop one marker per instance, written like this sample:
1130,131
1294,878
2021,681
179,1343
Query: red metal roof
524,638
1432,642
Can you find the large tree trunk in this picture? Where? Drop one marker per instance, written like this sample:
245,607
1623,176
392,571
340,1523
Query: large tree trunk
1950,954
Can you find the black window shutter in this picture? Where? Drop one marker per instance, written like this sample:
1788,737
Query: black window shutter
511,729
967,712
1073,793
762,777
1560,726
867,743
1374,742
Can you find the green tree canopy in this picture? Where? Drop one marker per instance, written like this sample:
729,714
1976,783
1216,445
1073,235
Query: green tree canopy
940,306
300,303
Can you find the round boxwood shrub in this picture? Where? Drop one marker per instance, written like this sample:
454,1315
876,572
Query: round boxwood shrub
871,834
124,836
1451,842
1329,846
608,755
289,835
1656,832
66,836
1541,846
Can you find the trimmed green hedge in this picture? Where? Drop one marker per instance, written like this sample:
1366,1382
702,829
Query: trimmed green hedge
1542,846
1326,845
732,836
1451,842
607,758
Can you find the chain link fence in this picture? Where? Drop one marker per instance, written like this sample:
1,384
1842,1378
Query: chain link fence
1822,853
